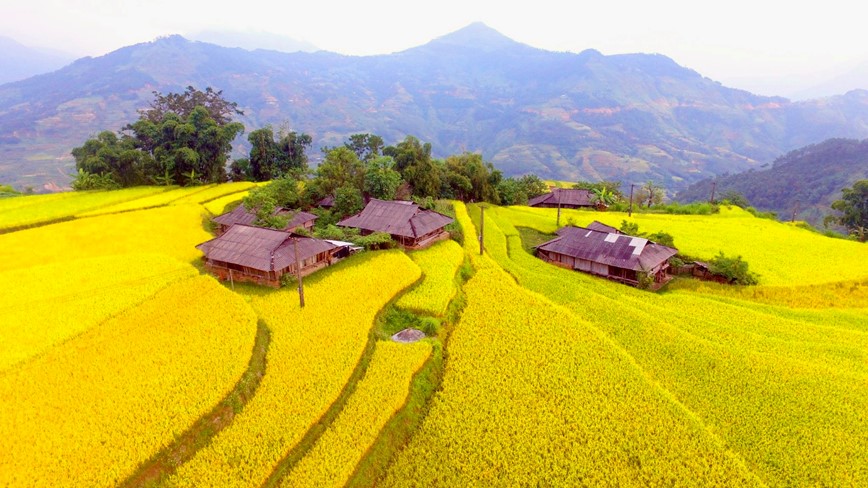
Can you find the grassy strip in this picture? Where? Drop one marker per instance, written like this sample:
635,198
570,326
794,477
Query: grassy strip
401,427
33,225
156,470
313,434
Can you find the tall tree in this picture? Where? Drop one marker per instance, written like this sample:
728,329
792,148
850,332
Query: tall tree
340,167
483,177
366,146
183,104
853,210
174,142
409,152
381,178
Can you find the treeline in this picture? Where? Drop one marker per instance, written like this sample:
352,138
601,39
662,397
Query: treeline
185,139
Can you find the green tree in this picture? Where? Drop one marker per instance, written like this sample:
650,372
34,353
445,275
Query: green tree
603,196
7,191
366,146
181,139
483,177
183,104
533,185
408,153
381,178
613,187
340,167
263,154
348,201
264,201
512,192
650,193
111,157
852,210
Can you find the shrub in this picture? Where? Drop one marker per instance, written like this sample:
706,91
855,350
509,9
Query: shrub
734,269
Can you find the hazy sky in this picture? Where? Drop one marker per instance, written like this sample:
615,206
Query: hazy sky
739,43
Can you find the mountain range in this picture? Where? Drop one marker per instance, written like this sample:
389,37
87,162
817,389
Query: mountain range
565,116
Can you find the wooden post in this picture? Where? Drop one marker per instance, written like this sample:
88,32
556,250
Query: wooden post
713,187
481,229
630,212
298,273
795,211
231,280
559,212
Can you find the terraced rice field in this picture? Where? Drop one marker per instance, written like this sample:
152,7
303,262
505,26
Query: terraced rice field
114,349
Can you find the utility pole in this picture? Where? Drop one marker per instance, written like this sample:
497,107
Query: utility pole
630,212
795,211
481,229
713,187
298,272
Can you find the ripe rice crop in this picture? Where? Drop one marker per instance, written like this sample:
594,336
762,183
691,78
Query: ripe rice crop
168,197
46,305
532,395
172,231
784,388
312,354
215,192
19,212
216,206
841,294
783,255
381,393
439,264
88,412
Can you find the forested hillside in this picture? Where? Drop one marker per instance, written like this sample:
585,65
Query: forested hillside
806,180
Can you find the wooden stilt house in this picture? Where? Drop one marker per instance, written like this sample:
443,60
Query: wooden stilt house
613,255
407,223
260,255
563,198
240,215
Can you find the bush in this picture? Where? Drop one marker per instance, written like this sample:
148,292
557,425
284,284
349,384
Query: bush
662,238
376,240
735,270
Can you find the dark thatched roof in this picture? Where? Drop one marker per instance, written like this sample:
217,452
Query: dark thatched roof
397,217
618,250
596,225
327,202
241,215
567,197
260,248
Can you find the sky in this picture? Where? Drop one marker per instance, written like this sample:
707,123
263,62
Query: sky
770,48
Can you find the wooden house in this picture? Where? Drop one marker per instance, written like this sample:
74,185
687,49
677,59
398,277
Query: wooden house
596,225
406,222
260,255
612,255
563,198
240,215
327,203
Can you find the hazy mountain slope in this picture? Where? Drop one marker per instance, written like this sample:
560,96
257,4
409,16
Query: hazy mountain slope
18,61
806,180
561,115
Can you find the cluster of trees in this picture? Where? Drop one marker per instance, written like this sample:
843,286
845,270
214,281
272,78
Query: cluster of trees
182,139
186,138
364,167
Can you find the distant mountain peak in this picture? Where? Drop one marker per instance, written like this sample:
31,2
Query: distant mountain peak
476,35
